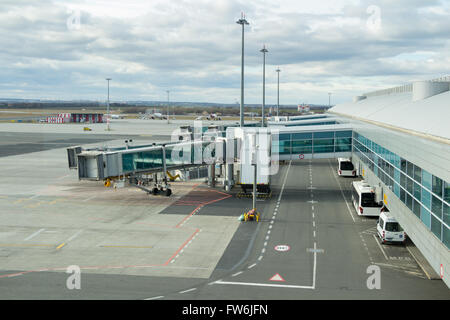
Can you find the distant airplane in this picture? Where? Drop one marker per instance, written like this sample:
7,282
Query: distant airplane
211,116
116,116
153,116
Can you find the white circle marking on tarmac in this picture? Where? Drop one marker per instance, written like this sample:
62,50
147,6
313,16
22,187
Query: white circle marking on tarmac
282,248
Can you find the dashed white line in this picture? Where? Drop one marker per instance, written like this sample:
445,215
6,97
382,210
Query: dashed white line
237,273
75,235
260,258
188,290
90,198
154,298
34,234
251,266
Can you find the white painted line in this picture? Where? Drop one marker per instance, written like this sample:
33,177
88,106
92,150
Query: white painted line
237,273
34,234
268,231
154,298
90,198
260,258
342,192
251,266
270,226
265,244
313,215
267,237
75,235
314,224
314,233
262,285
188,290
315,263
272,221
312,207
35,196
381,248
263,250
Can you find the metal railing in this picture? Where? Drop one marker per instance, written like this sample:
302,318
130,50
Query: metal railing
401,89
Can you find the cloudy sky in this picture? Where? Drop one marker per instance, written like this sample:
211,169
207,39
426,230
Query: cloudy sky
64,49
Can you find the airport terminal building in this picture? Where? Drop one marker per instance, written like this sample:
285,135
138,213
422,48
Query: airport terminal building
401,143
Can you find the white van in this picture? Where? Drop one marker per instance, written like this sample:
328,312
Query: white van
388,229
346,168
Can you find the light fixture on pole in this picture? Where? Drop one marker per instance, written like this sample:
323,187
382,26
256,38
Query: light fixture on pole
278,91
108,116
264,51
242,22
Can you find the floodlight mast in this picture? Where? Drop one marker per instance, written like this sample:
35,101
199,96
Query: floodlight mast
242,21
168,92
278,91
107,107
264,51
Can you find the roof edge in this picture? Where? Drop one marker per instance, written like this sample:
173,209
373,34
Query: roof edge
403,130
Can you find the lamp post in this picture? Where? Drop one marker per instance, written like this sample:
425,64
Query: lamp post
242,22
107,107
329,100
264,51
168,92
278,92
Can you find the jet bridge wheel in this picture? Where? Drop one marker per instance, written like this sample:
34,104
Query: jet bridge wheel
154,191
168,192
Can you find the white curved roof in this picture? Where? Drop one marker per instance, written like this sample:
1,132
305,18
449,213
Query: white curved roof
429,116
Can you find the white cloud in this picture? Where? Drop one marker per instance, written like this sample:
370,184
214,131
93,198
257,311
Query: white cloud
192,47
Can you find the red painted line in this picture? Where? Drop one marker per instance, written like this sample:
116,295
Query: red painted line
182,246
188,216
200,206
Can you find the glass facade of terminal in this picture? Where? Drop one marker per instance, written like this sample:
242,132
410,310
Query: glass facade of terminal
313,142
427,196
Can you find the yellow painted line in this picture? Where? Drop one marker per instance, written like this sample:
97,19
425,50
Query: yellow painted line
34,205
53,202
128,247
60,246
21,200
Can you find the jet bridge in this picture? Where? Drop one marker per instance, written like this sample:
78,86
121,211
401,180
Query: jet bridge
213,146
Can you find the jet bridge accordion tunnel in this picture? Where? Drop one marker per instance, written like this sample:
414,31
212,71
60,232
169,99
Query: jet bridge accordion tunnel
102,165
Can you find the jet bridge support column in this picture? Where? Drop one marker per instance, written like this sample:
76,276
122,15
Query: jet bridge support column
212,175
229,177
